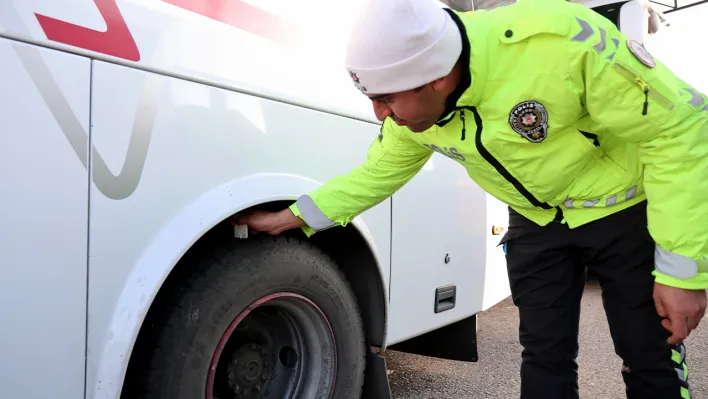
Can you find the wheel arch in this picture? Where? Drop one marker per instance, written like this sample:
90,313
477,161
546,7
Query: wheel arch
199,227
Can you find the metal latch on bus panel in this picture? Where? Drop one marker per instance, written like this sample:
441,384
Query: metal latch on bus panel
445,298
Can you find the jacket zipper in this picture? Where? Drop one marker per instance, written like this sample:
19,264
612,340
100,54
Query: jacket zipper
496,164
633,76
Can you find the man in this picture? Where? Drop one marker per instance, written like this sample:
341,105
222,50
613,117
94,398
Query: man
599,150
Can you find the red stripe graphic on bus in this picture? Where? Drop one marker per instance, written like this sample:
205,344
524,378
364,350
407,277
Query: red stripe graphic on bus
243,16
116,40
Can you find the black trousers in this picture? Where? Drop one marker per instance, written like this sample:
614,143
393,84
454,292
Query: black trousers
546,268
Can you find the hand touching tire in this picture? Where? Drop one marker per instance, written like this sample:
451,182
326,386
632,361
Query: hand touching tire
272,223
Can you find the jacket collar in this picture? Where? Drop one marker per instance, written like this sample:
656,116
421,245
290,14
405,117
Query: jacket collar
465,79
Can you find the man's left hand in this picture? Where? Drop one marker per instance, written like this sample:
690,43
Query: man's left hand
681,310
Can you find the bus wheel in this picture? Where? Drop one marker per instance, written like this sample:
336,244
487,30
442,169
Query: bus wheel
263,318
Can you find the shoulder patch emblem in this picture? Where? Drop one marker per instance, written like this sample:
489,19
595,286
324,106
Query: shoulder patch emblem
641,53
530,120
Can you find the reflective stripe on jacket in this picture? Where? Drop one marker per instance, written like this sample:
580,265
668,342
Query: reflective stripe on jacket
562,114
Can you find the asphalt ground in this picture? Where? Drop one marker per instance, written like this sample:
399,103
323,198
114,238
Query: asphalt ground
496,376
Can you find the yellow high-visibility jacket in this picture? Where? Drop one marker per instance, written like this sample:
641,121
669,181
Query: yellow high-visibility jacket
560,112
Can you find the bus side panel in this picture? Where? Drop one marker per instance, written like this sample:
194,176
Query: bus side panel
443,250
43,221
165,149
273,48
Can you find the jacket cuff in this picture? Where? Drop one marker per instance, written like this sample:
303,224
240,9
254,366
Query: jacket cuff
699,282
309,231
312,215
674,265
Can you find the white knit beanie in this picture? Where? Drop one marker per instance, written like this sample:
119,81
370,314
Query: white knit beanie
398,45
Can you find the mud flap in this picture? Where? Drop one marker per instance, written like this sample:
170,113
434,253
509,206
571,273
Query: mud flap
456,341
376,379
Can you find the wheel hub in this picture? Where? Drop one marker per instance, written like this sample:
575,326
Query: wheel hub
248,369
270,348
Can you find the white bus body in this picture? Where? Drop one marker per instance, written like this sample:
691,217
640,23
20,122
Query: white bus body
132,128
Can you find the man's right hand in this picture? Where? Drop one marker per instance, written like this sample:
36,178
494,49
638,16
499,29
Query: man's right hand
272,223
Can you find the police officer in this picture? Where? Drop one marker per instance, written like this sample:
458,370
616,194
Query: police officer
599,150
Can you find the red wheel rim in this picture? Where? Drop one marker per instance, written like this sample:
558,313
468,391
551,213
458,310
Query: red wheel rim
211,376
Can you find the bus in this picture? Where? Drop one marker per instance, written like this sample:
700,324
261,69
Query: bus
134,132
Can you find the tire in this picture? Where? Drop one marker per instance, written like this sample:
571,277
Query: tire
296,328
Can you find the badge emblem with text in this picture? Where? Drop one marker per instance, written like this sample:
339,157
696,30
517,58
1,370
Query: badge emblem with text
641,53
530,120
357,82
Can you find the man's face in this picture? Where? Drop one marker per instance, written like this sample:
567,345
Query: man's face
417,109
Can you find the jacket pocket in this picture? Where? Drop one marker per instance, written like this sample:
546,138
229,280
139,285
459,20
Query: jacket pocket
592,145
649,91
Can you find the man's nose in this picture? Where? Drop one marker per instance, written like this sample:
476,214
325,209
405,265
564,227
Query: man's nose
381,110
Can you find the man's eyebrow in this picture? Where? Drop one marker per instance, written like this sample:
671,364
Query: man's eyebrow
378,97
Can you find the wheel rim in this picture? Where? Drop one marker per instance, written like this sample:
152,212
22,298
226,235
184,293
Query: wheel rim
280,346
